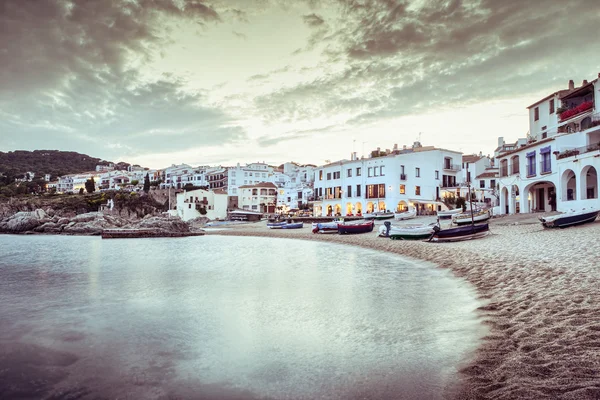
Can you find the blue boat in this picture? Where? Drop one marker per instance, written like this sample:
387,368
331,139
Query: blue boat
461,233
571,218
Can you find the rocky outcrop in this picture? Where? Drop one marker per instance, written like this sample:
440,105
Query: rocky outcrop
92,223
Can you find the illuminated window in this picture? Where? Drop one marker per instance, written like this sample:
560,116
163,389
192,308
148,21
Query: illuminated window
402,189
417,190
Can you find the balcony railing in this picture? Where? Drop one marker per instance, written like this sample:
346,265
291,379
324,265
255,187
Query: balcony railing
452,167
530,170
509,169
576,110
578,150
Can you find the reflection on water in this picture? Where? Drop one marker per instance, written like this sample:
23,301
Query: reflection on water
225,318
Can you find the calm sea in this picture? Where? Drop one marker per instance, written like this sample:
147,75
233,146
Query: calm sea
226,318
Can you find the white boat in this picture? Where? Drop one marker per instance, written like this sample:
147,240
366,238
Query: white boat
569,218
447,214
408,214
409,232
381,215
465,218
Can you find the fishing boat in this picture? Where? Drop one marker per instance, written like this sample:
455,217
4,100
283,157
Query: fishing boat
449,213
408,214
344,228
471,217
293,225
409,232
379,216
276,224
325,227
459,233
570,218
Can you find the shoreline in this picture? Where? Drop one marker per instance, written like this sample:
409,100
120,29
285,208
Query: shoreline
542,302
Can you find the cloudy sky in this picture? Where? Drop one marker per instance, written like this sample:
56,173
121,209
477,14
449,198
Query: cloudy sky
224,81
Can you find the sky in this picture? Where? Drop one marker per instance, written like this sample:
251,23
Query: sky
217,82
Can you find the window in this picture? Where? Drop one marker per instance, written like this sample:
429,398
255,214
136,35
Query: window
370,172
375,171
358,193
437,174
321,175
336,175
402,189
375,191
329,176
417,190
358,171
531,164
536,114
349,192
417,172
381,170
481,184
337,192
245,174
552,106
493,183
349,173
546,163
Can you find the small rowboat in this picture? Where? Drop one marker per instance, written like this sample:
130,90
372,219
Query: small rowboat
325,227
293,225
570,218
379,216
410,232
276,225
465,218
408,214
459,233
449,213
355,228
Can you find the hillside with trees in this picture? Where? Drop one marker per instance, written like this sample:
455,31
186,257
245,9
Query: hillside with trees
54,162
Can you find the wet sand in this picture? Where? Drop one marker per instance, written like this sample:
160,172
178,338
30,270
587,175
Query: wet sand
543,302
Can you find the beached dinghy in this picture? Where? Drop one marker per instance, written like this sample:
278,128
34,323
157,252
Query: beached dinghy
408,214
325,227
459,233
410,232
449,213
465,218
293,225
379,216
570,218
344,228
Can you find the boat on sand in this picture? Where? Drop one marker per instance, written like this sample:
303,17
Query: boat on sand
570,218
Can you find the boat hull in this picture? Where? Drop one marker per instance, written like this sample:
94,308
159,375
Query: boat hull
324,227
356,228
405,215
295,225
566,220
449,213
465,219
460,233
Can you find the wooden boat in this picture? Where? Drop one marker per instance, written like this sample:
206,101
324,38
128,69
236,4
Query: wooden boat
293,225
410,232
459,233
325,227
379,216
408,214
449,213
365,227
276,224
570,218
465,218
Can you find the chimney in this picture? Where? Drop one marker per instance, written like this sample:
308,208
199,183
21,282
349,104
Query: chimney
585,82
396,144
571,85
500,141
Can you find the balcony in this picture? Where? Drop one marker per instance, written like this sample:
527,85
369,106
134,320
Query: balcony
570,113
452,167
509,169
545,167
402,177
578,150
530,170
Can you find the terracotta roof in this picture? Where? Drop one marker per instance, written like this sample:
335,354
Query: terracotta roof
471,158
219,191
259,185
576,90
487,174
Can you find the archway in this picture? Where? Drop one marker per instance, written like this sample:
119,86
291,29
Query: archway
589,183
338,210
382,206
370,207
504,201
329,210
402,206
568,182
541,197
317,210
348,208
514,165
359,208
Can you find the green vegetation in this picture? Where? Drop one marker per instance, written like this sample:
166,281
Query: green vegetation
461,202
147,183
90,185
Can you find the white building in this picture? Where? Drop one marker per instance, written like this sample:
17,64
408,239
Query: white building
250,174
557,169
418,176
261,197
202,203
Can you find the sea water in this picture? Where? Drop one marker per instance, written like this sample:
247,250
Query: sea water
217,317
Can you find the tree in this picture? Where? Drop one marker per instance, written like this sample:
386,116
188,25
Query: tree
147,183
90,185
81,191
461,202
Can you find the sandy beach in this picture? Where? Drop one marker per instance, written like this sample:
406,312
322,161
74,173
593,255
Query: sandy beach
543,302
